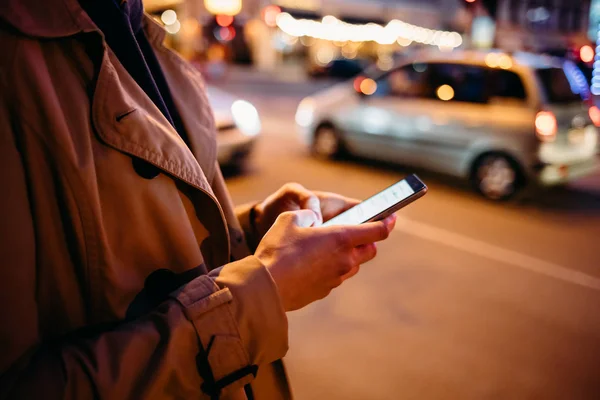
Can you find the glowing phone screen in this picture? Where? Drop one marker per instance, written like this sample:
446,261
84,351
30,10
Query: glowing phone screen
373,206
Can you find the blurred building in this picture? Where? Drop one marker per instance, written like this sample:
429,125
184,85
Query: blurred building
206,30
319,31
542,25
270,33
426,13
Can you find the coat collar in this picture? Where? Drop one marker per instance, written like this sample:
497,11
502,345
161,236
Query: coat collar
59,18
46,19
124,117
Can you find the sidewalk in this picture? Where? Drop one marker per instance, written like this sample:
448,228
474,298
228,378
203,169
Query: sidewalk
236,74
286,84
281,74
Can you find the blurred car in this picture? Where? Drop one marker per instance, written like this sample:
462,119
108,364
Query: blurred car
340,68
238,126
499,120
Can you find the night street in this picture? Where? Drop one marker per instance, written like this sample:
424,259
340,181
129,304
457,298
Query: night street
469,299
408,209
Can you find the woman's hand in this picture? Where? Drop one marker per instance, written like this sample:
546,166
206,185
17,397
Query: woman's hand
294,197
307,261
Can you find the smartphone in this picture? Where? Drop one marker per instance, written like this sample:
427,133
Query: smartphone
383,204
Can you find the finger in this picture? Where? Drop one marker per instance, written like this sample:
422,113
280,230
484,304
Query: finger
303,218
351,273
365,253
305,199
369,232
314,204
362,254
390,222
333,204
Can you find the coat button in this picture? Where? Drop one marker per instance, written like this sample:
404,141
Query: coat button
145,169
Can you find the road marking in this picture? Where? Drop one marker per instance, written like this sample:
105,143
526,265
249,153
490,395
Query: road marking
496,253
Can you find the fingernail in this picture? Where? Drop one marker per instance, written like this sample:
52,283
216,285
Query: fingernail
388,223
319,217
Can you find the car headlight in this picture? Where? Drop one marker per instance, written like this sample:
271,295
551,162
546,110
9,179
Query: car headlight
305,112
246,117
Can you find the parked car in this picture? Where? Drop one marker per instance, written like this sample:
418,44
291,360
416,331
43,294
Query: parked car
499,120
238,126
340,68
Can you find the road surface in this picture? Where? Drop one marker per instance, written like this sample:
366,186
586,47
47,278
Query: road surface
467,299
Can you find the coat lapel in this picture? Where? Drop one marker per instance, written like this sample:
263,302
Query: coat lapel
126,119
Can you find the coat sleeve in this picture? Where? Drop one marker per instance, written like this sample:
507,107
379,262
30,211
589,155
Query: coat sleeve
209,335
266,332
243,214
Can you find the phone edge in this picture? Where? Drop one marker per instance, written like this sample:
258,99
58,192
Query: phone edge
398,206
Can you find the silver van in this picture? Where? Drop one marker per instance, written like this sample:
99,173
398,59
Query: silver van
498,120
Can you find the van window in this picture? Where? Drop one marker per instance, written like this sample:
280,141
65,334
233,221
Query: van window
556,86
506,85
458,82
407,82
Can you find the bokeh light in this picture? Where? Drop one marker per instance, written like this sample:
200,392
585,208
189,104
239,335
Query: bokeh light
595,115
445,92
168,17
546,126
332,29
586,53
224,20
368,86
174,27
491,60
228,7
324,56
504,61
269,15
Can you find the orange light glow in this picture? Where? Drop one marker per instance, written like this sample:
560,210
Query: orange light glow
269,15
368,86
470,1
215,53
229,7
224,20
595,115
491,60
357,83
445,92
586,53
504,61
546,126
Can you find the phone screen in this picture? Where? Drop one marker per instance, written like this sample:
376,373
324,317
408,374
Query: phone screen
375,205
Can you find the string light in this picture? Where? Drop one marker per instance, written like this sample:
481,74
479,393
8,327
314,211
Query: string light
332,29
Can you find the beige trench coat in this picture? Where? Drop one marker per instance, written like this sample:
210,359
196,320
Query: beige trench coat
98,194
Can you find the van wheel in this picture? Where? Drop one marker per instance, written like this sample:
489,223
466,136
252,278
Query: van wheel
327,142
497,176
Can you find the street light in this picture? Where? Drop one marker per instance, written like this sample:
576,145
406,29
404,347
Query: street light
586,53
225,7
